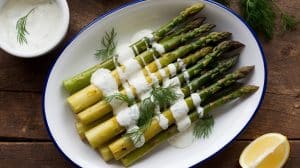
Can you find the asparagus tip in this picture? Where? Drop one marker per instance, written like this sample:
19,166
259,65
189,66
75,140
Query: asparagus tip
237,44
246,69
228,45
249,89
193,9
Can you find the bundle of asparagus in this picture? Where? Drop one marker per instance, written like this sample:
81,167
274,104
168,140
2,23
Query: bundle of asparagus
156,88
82,80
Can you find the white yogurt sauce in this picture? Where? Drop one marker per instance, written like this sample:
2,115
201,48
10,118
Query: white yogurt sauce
185,136
196,101
158,64
139,82
44,24
183,124
128,116
172,69
183,139
163,73
200,111
103,79
117,105
124,53
132,66
163,121
158,47
179,110
181,64
173,81
141,34
179,92
154,78
128,90
186,76
137,142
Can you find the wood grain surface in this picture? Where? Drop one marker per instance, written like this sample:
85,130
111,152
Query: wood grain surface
24,141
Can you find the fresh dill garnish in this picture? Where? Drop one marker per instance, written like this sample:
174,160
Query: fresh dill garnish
164,96
288,22
147,112
203,127
260,15
136,134
224,2
159,97
109,44
21,28
121,97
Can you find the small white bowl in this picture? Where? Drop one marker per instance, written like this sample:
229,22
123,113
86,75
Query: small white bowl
65,17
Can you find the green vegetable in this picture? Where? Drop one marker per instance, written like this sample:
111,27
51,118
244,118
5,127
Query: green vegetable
21,28
109,43
121,97
260,15
288,22
82,80
203,126
164,96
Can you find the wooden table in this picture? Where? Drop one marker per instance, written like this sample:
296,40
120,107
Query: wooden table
24,141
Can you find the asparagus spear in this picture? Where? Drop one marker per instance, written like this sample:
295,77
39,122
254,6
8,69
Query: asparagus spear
124,145
101,108
82,80
179,19
82,128
163,136
91,94
196,22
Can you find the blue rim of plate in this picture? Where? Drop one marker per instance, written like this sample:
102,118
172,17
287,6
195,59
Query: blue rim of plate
133,3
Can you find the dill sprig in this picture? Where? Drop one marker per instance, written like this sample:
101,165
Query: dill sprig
147,112
260,15
21,28
164,96
109,44
121,97
288,22
203,127
159,97
136,134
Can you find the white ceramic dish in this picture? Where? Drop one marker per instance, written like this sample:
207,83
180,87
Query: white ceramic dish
78,56
55,40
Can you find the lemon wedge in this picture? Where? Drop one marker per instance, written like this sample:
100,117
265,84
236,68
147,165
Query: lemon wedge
267,151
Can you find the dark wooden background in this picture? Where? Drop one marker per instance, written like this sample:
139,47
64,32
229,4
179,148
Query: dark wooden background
24,141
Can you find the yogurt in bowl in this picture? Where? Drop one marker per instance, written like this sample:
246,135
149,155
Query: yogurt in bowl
30,28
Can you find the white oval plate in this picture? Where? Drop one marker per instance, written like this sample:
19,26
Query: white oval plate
128,19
